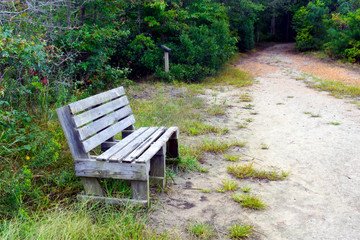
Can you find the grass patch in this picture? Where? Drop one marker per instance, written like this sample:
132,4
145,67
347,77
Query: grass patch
80,221
232,158
249,106
315,115
216,110
206,190
249,201
245,189
248,171
264,146
246,98
249,120
290,96
242,125
201,230
194,128
337,88
335,123
238,231
202,169
231,76
217,146
229,185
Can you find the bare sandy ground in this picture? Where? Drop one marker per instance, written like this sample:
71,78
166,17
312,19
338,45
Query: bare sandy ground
319,199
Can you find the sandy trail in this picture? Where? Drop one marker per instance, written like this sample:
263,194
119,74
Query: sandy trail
319,199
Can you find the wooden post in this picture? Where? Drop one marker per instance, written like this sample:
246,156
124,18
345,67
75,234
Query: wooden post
166,56
157,168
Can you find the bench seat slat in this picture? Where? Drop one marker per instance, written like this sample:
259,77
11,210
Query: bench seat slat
96,126
117,147
86,103
134,144
114,170
155,147
102,136
144,145
99,111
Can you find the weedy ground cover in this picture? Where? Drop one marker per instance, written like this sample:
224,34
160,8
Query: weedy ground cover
247,170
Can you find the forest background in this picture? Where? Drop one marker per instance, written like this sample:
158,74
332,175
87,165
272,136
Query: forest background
53,52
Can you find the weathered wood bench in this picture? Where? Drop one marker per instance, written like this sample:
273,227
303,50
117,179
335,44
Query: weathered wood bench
138,157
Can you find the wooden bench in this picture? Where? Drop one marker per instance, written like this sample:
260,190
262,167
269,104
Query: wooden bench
138,157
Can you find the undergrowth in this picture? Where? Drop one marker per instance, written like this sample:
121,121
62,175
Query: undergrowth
80,221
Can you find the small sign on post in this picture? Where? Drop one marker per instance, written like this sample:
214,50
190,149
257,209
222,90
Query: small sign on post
166,57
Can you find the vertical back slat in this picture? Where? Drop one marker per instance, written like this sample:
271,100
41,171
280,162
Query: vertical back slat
72,136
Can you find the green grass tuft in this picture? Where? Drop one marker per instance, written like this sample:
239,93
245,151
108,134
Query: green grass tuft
230,185
217,146
201,230
238,231
232,158
249,201
248,171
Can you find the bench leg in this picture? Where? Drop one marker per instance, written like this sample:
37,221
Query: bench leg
158,168
140,190
173,146
92,186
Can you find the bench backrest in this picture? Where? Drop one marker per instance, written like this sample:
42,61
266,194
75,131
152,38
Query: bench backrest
91,121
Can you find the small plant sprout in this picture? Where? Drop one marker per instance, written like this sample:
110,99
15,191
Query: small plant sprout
264,146
221,190
315,115
335,123
242,125
254,113
201,230
246,189
279,103
249,201
232,158
307,113
238,231
249,106
246,98
206,190
230,185
249,120
203,170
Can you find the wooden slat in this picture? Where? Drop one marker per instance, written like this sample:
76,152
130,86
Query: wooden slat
107,133
104,122
134,144
155,147
99,111
117,147
96,99
72,136
116,170
113,201
144,145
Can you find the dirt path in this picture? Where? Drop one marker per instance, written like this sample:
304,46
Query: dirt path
319,199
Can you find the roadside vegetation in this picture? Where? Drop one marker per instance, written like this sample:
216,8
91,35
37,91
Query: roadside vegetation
54,52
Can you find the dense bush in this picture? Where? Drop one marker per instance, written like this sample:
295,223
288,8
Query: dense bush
332,27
